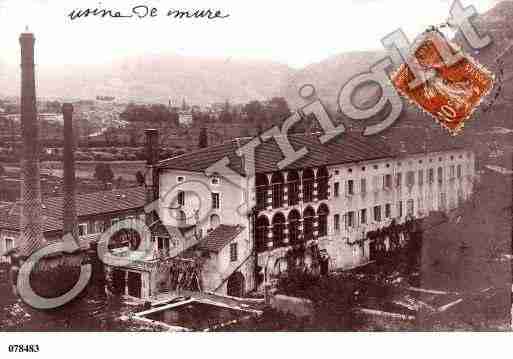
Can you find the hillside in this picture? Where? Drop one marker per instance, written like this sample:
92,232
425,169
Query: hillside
329,75
157,79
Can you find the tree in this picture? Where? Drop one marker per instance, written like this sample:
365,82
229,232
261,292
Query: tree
139,178
279,109
253,109
103,173
203,138
226,117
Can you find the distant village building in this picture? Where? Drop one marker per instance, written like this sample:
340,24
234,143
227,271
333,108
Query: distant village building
185,118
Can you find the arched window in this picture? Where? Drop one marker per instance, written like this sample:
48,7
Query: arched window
261,230
278,229
215,221
262,185
308,185
308,223
322,214
293,188
277,184
322,183
294,221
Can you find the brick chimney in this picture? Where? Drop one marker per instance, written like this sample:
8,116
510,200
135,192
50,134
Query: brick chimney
30,219
69,209
151,178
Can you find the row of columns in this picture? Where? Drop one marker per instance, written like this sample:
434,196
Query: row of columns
267,232
284,201
286,231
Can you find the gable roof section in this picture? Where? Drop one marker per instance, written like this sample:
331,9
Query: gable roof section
89,204
344,148
218,238
11,222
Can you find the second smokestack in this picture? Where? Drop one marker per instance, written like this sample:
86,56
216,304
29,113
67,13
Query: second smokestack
70,223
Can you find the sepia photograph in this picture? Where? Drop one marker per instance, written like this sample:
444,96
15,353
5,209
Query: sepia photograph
254,167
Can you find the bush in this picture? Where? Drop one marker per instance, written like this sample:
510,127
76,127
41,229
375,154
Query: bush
332,297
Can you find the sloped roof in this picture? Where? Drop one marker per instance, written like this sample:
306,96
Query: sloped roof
161,230
410,140
344,148
89,204
218,238
12,222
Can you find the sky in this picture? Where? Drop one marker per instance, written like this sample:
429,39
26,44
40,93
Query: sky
296,33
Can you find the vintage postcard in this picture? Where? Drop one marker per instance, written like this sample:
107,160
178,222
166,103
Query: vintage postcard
259,167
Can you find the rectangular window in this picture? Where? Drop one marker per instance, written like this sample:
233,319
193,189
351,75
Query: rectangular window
163,246
440,175
82,229
420,203
233,252
458,171
460,197
400,209
398,179
442,205
350,219
410,178
451,172
99,226
363,216
421,177
388,210
375,183
91,228
431,175
387,181
350,187
336,189
363,186
409,207
336,222
181,198
215,200
261,197
277,195
293,193
9,244
377,213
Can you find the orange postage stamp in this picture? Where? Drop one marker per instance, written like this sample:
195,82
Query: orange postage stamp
453,91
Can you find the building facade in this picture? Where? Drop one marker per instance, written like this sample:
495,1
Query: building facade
221,230
96,212
319,213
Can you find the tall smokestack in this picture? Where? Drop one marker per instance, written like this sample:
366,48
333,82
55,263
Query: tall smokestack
31,224
152,157
69,210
